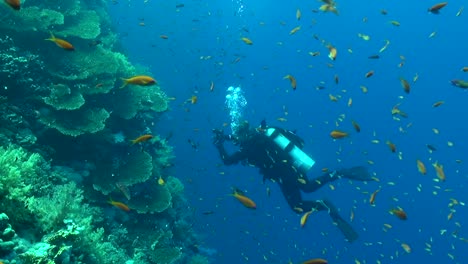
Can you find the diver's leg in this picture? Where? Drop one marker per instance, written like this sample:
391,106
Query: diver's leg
316,183
322,205
292,193
359,173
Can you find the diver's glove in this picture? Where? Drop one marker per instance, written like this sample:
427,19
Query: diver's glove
218,137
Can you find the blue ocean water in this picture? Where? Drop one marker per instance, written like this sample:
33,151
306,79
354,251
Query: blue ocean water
204,45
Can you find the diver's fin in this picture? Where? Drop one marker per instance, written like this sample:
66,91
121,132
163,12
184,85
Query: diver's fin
359,173
345,228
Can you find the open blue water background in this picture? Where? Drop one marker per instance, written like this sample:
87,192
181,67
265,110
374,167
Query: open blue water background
272,234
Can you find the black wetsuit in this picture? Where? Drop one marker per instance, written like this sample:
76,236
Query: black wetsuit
275,164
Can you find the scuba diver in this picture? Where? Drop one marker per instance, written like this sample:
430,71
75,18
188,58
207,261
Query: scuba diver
278,155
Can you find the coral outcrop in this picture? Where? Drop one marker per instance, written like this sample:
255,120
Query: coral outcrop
60,158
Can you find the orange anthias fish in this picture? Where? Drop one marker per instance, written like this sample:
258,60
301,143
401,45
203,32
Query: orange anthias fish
391,146
421,167
61,43
15,4
372,197
141,80
437,7
356,126
119,205
333,52
247,41
439,171
398,212
142,138
246,201
305,217
337,134
405,84
315,261
292,80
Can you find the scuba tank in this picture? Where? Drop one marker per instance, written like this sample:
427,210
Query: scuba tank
299,158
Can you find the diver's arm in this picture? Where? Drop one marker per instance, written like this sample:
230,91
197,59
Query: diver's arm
236,157
218,141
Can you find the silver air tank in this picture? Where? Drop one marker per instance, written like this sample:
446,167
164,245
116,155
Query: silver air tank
299,158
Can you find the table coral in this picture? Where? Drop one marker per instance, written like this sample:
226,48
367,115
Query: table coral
76,122
32,19
135,168
153,199
63,97
133,99
85,25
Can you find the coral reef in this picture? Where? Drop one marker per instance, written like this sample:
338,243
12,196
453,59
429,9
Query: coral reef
6,235
65,149
66,108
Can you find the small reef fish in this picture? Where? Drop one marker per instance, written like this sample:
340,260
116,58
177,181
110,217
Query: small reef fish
292,80
369,74
438,103
372,197
294,30
391,146
298,14
437,7
356,126
333,52
460,11
460,83
305,217
421,167
246,201
247,41
394,23
61,43
141,80
193,99
142,138
212,86
315,261
124,189
400,213
406,247
431,147
464,69
338,134
329,7
161,181
15,4
439,171
405,84
119,205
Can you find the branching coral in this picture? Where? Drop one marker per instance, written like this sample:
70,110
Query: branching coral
18,169
76,122
63,97
63,202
